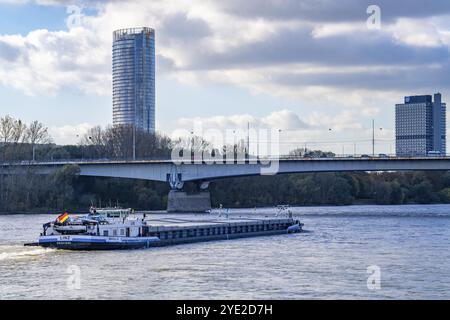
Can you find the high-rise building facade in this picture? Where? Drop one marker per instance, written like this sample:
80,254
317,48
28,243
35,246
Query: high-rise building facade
420,126
134,78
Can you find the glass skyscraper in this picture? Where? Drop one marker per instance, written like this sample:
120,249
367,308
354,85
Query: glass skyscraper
134,78
420,126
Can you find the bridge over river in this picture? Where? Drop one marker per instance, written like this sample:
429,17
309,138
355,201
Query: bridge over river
204,171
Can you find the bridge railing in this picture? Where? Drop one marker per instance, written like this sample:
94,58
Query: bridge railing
219,160
79,160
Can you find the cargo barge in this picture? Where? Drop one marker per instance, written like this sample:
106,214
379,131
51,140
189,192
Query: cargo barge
108,229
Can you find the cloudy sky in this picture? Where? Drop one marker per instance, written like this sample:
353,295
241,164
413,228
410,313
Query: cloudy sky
302,66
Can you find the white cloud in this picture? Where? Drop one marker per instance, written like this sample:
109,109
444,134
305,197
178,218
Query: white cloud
69,134
283,119
370,112
337,29
44,62
286,120
340,122
417,32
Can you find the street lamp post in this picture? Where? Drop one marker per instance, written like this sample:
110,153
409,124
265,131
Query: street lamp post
248,140
90,138
280,143
373,137
81,147
192,145
134,141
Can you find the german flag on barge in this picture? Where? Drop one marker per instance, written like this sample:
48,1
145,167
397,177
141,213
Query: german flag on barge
62,218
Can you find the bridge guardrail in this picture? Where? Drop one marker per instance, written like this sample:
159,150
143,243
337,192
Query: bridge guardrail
211,160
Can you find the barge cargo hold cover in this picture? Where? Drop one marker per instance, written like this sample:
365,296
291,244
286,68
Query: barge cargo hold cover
181,230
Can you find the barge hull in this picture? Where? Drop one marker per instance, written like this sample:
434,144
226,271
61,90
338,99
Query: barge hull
92,246
81,242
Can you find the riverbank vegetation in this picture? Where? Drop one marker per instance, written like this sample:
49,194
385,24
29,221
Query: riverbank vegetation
64,189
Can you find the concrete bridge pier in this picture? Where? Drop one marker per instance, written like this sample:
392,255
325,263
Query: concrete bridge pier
180,201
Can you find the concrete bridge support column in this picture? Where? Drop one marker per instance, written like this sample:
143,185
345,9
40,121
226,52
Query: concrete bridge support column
181,201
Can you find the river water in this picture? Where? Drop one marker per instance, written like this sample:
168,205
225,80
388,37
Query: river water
408,245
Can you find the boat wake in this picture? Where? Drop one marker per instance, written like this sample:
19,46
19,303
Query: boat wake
17,252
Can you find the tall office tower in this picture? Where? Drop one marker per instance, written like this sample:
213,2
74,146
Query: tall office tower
420,126
134,78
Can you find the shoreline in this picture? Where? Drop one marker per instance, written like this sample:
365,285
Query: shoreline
216,209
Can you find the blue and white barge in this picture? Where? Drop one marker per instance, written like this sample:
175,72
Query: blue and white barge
107,229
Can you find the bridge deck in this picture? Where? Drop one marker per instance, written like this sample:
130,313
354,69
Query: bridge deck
175,174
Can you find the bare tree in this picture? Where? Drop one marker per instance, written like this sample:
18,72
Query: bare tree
37,133
12,136
93,142
116,142
19,134
298,152
6,129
